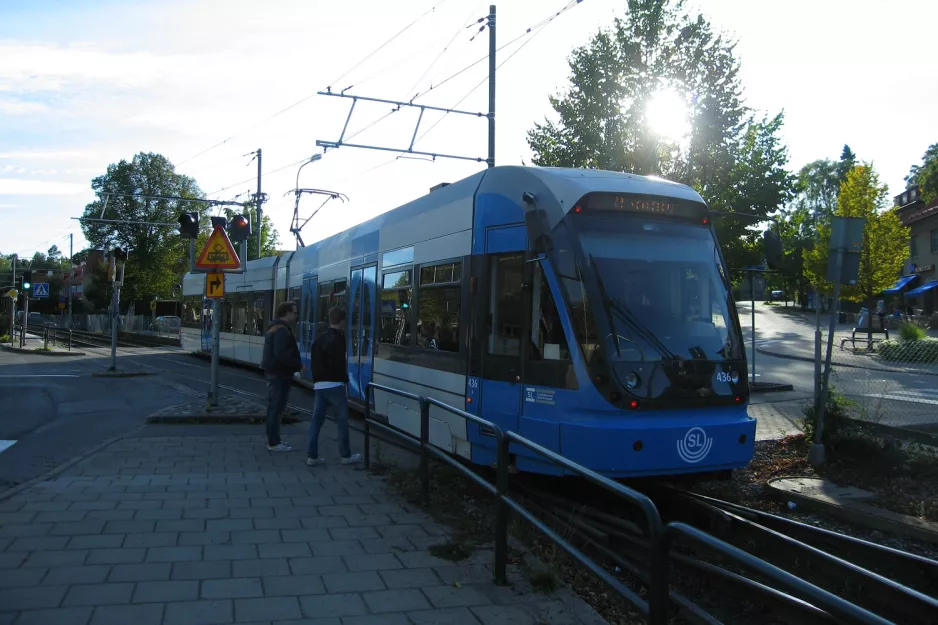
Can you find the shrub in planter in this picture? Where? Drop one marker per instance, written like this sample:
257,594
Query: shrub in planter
911,331
917,351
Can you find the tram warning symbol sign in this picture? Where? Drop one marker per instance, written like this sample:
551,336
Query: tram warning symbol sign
215,285
218,252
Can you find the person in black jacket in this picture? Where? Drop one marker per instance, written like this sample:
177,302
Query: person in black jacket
329,362
280,361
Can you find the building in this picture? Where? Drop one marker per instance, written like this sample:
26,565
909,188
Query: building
918,286
82,275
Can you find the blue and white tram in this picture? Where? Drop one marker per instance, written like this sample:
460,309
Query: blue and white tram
589,311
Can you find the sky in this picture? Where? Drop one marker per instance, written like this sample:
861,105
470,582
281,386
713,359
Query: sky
85,83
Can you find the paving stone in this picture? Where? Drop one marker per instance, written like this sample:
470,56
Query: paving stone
151,614
116,556
93,574
325,522
277,523
199,613
52,559
337,548
367,520
317,566
267,608
174,554
56,616
421,560
98,594
465,574
35,598
353,533
96,541
399,600
454,616
229,552
93,505
13,560
533,614
394,531
284,550
56,517
229,525
377,619
159,514
158,592
142,572
128,527
213,569
204,538
256,536
452,597
11,578
353,582
334,510
409,578
17,518
38,543
157,539
372,562
232,588
293,585
305,535
387,545
260,568
181,525
321,606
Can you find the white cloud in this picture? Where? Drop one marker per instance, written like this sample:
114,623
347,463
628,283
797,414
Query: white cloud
18,107
18,186
50,155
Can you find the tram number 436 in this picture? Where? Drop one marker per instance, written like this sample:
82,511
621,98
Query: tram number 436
727,376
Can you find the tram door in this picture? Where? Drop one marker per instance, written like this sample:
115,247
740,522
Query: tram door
206,324
361,329
306,324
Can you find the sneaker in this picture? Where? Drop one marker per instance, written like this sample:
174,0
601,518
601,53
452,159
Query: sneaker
351,459
280,447
312,462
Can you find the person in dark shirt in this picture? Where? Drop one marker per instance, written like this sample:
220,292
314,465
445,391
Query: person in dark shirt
280,361
329,363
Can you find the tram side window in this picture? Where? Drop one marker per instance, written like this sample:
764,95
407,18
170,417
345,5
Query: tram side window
241,321
395,308
438,307
503,322
547,339
192,311
261,311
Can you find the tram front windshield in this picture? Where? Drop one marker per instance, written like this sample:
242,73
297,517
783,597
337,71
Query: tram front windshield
663,289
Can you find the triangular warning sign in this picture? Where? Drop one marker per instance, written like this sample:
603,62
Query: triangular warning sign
218,253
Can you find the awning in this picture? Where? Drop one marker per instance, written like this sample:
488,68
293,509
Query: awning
900,284
922,289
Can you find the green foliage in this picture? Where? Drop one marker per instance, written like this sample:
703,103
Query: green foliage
926,174
837,408
911,331
923,351
158,257
885,239
736,162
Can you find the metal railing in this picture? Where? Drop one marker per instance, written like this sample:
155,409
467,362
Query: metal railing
660,536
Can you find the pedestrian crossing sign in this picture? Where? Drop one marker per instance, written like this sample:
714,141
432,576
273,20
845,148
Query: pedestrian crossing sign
41,289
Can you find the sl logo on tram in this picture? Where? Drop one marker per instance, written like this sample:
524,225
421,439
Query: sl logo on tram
695,445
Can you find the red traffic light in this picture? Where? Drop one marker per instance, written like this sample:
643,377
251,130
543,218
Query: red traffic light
239,229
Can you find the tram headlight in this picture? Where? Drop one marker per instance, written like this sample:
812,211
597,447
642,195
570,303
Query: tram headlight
632,380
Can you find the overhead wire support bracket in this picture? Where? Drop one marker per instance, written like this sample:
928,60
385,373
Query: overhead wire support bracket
410,148
296,227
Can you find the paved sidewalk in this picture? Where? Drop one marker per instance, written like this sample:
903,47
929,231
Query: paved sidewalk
776,420
181,530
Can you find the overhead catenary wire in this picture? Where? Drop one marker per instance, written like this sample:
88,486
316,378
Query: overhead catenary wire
309,97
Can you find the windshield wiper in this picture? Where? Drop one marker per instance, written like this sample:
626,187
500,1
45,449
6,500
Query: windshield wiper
629,317
605,296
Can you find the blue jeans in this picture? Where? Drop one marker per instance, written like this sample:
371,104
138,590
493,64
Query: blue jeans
278,391
337,398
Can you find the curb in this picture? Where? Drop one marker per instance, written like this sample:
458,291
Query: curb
38,352
862,514
65,465
120,374
217,419
769,387
766,352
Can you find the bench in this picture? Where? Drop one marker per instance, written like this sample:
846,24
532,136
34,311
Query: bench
868,335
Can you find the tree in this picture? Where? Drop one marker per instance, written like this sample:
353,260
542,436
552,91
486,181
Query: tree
926,174
158,257
657,58
885,239
270,239
848,160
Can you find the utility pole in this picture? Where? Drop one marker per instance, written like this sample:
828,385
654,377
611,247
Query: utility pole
258,202
491,24
13,307
71,276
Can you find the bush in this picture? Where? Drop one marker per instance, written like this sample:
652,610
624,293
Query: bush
917,351
911,331
837,409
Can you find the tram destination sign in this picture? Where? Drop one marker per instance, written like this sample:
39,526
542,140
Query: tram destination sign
634,203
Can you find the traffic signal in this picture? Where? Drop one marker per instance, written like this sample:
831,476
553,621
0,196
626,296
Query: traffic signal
27,280
189,225
240,228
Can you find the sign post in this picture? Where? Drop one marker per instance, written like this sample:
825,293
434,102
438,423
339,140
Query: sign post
843,266
217,257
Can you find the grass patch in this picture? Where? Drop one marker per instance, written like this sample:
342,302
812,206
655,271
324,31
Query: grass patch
454,551
544,581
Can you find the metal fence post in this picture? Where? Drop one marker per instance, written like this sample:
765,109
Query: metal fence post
501,518
658,593
424,441
69,339
367,428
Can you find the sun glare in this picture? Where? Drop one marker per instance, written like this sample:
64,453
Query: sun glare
668,115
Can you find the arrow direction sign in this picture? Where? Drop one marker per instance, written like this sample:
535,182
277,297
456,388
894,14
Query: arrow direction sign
215,285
